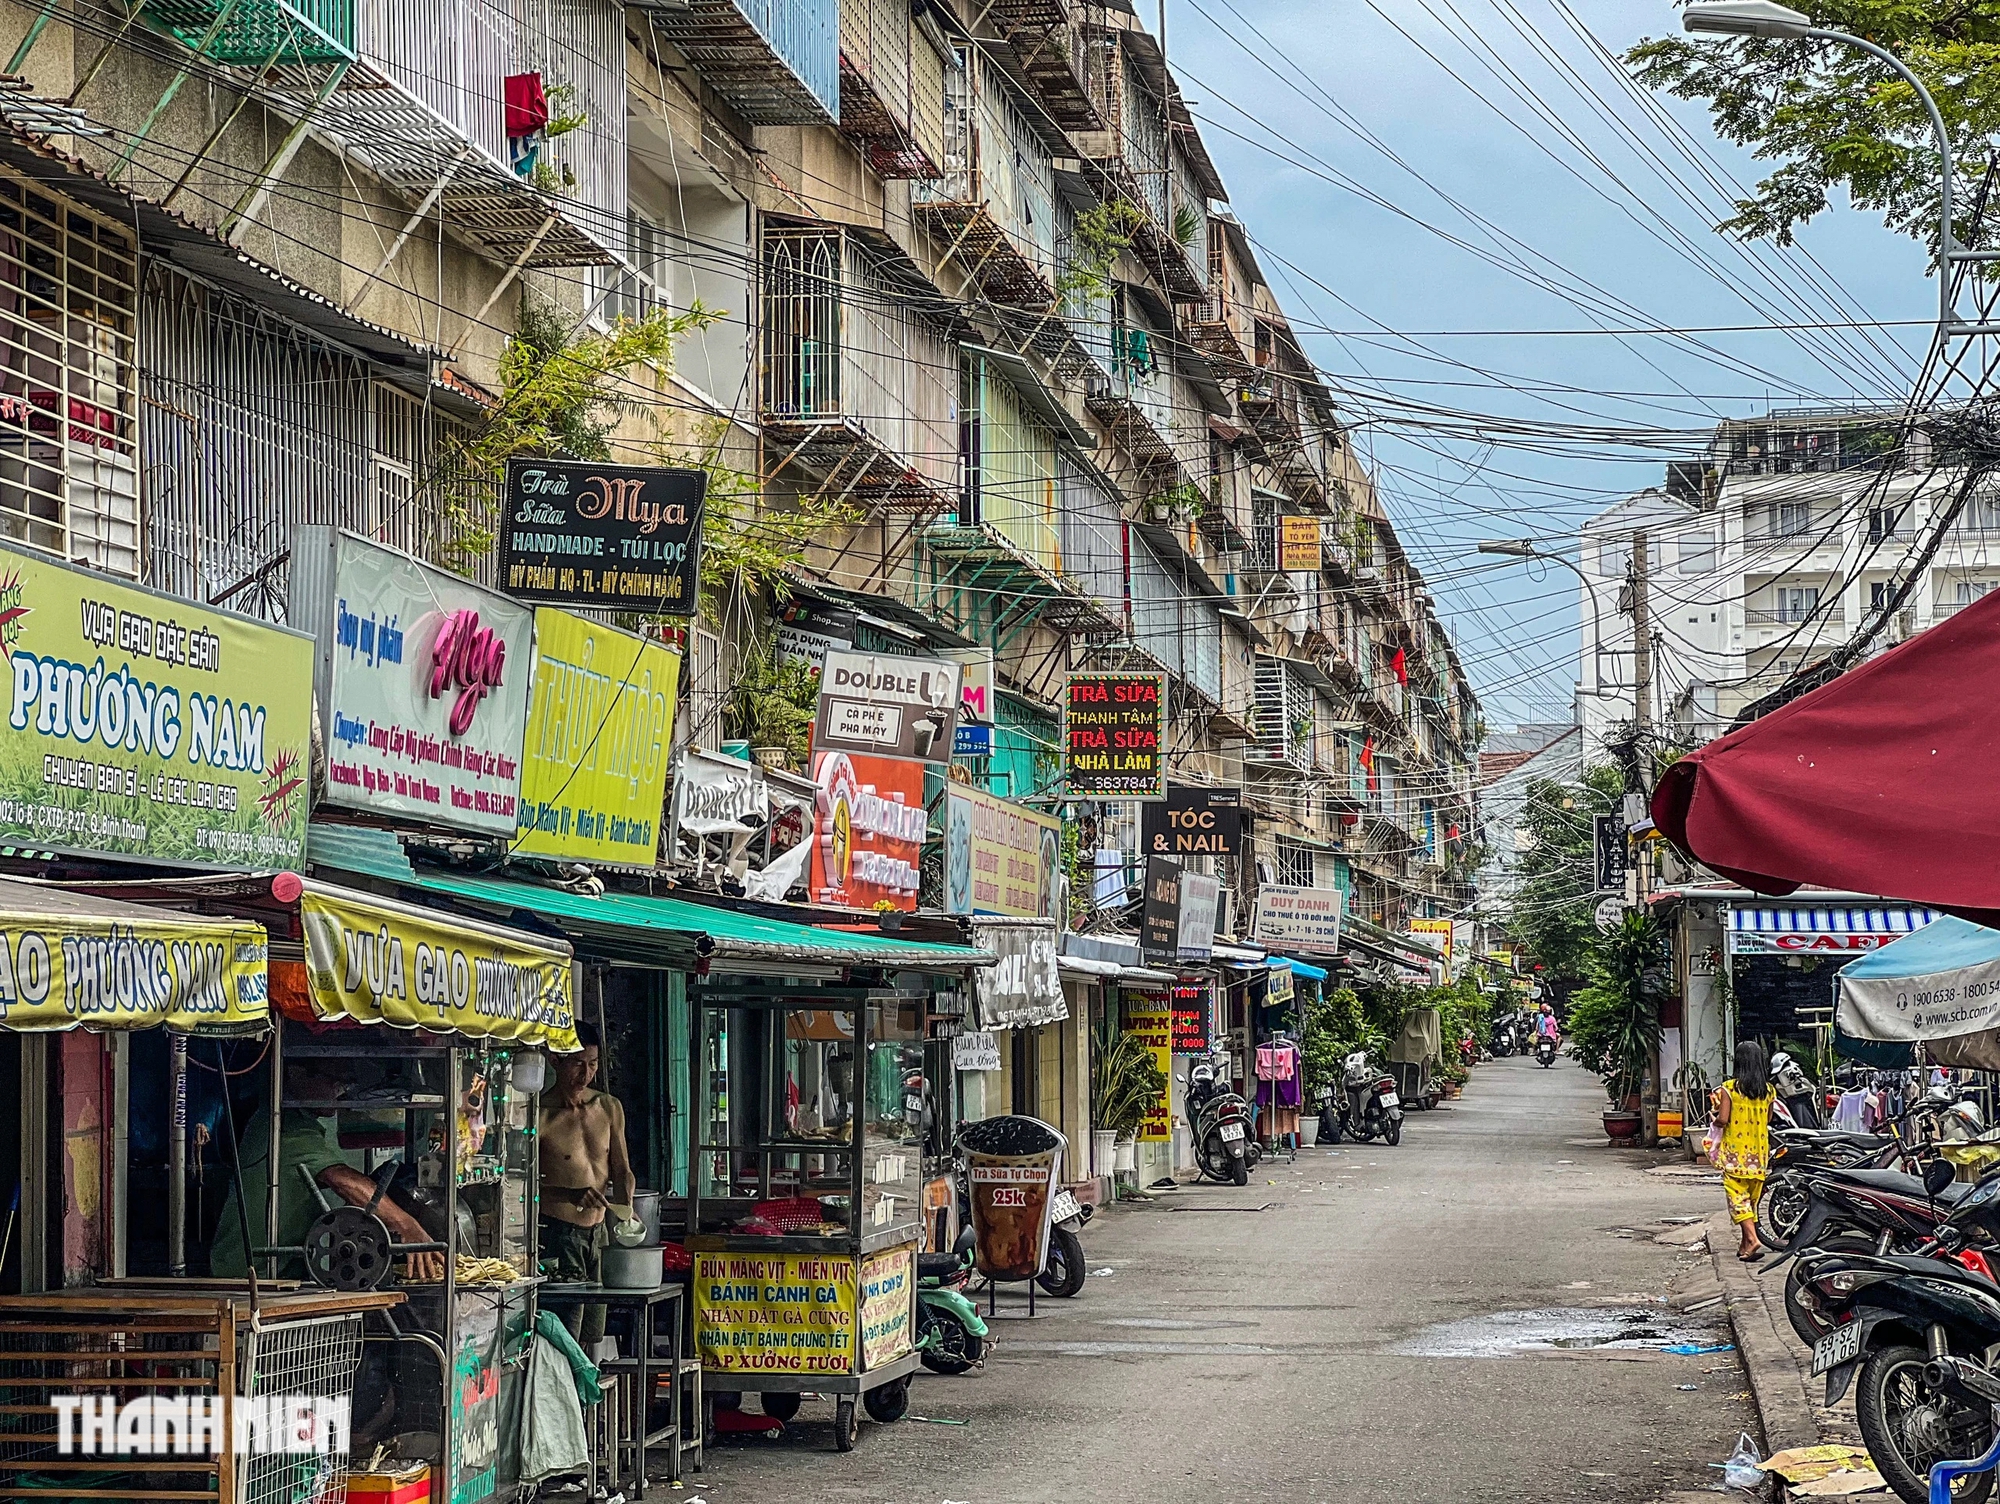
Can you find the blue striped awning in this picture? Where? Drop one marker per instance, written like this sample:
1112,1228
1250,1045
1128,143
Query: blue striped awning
1823,928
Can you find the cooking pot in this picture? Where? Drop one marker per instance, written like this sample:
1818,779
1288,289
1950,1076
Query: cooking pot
646,1207
632,1268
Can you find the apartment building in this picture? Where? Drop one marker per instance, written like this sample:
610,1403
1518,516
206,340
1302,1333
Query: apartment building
970,273
1766,555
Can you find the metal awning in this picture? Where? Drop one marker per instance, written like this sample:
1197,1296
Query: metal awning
675,932
1037,396
1115,971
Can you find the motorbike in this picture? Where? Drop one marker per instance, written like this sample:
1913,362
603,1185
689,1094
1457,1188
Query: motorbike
1797,1152
1545,1050
1220,1120
1878,1212
1800,1096
1911,1334
1505,1040
951,1334
1366,1107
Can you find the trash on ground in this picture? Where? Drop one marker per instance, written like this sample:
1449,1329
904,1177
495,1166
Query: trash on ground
939,1420
1742,1469
1687,1388
1810,1464
1699,1349
1102,1273
1864,1480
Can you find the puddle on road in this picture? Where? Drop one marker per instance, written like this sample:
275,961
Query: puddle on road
1504,1333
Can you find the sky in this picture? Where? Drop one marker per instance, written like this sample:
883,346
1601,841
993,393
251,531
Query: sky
1414,174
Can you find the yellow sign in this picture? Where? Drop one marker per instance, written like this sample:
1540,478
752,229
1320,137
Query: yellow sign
888,1292
104,970
594,761
1435,933
1150,1016
1298,544
774,1312
381,962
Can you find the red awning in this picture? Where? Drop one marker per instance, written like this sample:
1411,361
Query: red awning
1886,780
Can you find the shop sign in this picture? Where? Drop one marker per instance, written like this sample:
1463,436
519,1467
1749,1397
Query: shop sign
1114,736
1160,911
975,702
67,971
1192,1002
1435,933
1298,545
999,857
379,962
888,1298
1281,988
1608,852
1193,822
594,763
1301,919
1196,933
978,1051
422,683
774,1312
871,826
808,630
143,726
887,706
1149,1017
582,533
1023,988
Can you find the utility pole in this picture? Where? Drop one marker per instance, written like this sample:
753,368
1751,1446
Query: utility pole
1635,784
1642,640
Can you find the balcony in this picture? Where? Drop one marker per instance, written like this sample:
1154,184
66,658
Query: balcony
986,584
777,62
413,89
891,89
1212,331
859,384
993,206
1134,158
1809,619
1047,47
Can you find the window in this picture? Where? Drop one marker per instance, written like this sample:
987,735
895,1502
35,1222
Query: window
1885,521
1295,865
1878,595
1697,553
636,293
1788,519
1971,590
1797,602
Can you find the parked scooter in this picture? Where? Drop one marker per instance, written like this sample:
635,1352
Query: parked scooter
1064,1270
1220,1120
1915,1332
1366,1107
1505,1040
1800,1096
951,1334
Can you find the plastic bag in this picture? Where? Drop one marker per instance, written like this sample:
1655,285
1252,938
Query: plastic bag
1741,1470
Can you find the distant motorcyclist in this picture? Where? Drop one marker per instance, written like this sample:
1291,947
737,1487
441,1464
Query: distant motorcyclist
1546,1026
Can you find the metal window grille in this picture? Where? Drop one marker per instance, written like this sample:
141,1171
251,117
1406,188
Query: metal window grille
708,692
317,1358
1294,865
68,430
802,323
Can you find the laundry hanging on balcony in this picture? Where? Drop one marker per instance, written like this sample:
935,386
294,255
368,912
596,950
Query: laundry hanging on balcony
527,117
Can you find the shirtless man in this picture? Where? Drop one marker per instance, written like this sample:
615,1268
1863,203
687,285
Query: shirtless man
583,1152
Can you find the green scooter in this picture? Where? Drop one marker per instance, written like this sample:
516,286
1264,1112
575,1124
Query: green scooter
951,1336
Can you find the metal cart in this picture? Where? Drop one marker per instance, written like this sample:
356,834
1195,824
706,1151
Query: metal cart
804,1208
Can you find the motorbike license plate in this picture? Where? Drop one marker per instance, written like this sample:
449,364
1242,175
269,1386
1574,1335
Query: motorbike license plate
1063,1206
1231,1132
1841,1345
1390,1099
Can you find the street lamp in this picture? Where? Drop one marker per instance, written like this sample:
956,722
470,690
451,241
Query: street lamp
1524,548
1764,18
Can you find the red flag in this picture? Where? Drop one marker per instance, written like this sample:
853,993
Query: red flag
1399,666
1367,760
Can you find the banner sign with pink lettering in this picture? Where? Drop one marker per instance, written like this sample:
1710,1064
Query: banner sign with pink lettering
422,683
579,533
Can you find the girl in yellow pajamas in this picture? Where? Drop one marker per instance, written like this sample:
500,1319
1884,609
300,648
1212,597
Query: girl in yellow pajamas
1743,1114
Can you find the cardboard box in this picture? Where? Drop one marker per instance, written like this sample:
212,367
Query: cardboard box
407,1485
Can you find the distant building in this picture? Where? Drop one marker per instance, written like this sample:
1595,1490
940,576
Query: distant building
1510,764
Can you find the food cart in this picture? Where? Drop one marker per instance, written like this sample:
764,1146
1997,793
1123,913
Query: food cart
804,1208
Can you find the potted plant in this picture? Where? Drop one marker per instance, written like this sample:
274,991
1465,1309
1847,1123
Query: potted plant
1614,1023
773,704
1125,1082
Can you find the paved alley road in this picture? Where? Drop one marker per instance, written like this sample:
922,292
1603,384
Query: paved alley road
1347,1328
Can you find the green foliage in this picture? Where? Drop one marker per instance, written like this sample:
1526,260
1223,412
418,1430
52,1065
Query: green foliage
1100,237
1834,117
1335,1025
1125,1080
1187,225
773,701
566,112
1554,906
1614,1022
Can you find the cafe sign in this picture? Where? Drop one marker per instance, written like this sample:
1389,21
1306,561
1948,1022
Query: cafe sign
146,727
887,706
581,533
379,962
600,727
422,683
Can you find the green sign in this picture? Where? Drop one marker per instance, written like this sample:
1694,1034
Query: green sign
148,727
